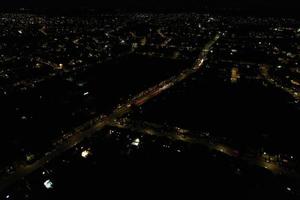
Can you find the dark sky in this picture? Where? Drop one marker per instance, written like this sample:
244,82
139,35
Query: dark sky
267,5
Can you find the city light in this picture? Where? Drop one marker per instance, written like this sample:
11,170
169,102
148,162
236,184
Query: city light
102,88
85,153
60,66
48,184
136,142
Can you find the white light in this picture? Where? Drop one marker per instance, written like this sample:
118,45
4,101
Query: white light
20,31
279,66
85,153
7,196
136,142
48,184
86,93
288,189
265,153
292,157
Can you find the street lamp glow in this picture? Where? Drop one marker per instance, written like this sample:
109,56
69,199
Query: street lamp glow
136,142
60,66
85,153
48,184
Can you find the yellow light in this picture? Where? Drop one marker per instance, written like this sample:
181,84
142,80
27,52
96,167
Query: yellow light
85,153
60,66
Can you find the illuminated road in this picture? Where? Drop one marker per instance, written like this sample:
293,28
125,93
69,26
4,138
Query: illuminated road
97,124
211,142
292,90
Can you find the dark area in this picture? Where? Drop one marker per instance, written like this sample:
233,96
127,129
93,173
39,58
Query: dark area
152,99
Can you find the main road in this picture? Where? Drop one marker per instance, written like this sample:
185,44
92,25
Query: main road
99,123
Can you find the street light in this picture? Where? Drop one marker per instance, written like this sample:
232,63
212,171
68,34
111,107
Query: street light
136,142
48,184
85,153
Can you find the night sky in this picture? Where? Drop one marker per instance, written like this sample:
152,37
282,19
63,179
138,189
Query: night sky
156,3
286,6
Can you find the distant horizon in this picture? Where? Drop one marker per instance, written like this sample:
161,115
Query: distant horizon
240,11
266,5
